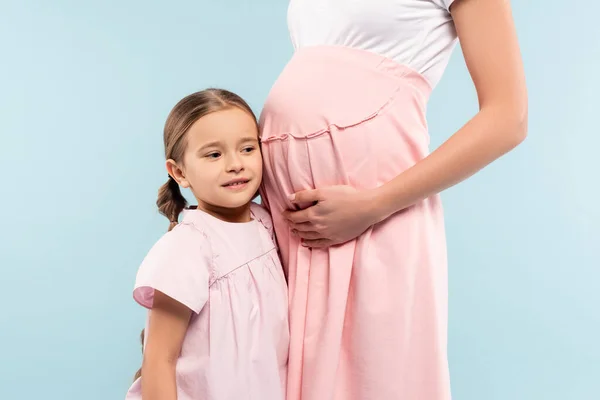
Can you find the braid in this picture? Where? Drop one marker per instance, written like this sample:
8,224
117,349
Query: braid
170,201
138,374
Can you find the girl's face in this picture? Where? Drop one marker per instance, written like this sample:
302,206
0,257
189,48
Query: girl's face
222,163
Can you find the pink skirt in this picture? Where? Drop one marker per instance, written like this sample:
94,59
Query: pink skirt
368,319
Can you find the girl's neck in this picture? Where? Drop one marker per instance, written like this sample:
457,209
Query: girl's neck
235,215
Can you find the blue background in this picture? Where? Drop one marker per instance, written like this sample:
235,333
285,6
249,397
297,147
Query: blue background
85,88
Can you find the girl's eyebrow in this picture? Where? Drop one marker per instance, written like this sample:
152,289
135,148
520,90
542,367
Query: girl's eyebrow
248,139
209,144
216,143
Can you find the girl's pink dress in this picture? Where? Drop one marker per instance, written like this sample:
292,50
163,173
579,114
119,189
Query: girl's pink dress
230,276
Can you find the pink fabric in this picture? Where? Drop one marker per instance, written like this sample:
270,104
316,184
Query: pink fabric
367,318
229,274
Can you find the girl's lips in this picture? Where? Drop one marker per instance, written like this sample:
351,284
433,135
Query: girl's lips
236,184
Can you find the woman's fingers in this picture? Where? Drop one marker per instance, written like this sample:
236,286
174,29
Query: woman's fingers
317,243
303,227
307,235
298,217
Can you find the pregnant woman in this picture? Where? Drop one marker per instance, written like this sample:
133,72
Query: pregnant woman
353,188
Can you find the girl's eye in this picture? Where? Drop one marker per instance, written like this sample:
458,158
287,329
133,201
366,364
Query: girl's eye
213,155
248,149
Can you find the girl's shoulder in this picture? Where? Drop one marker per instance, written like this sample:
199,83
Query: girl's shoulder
180,265
181,235
262,215
184,240
260,212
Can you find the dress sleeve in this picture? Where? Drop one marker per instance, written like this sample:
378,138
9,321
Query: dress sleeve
178,265
445,4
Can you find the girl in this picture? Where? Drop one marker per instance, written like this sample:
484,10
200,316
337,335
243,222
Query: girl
217,326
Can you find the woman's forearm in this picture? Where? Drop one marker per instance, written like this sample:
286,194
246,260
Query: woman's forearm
158,380
490,134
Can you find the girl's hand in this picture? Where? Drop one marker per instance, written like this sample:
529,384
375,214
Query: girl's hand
338,214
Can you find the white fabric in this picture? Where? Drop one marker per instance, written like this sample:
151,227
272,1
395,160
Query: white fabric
417,33
444,3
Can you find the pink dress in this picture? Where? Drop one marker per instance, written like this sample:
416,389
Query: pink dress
230,276
368,318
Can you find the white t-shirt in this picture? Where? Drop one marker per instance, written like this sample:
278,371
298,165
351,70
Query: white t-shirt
417,33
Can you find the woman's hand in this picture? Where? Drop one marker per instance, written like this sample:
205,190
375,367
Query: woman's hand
338,214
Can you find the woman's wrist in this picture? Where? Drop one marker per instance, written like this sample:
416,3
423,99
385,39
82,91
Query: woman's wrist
378,206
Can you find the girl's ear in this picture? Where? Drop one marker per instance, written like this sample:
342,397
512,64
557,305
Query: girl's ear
176,172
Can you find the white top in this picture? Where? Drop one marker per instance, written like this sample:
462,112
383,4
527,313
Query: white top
417,33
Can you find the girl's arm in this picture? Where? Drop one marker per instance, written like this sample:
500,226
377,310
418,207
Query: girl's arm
167,326
489,43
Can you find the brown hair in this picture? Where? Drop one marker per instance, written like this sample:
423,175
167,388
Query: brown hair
186,112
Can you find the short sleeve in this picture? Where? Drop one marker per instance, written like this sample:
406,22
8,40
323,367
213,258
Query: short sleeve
178,265
445,4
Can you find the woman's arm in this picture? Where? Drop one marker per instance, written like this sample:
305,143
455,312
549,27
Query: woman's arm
167,326
489,43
